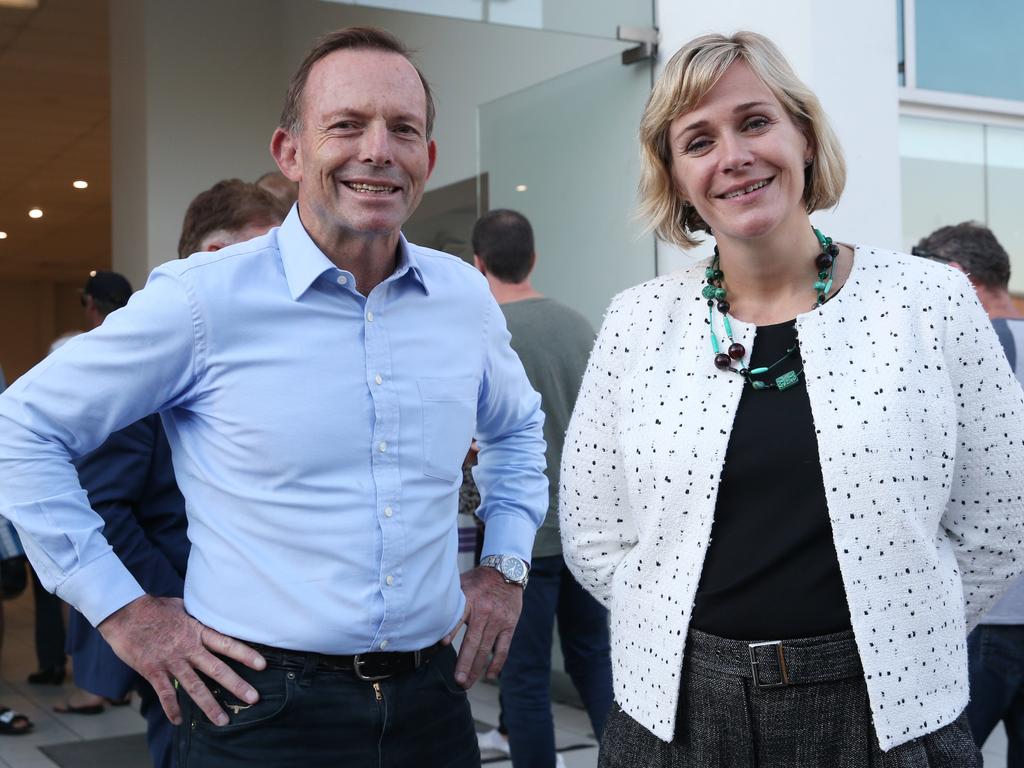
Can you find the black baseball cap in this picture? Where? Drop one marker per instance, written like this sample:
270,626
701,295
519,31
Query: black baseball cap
109,287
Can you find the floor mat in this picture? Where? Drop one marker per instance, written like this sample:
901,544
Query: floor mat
116,752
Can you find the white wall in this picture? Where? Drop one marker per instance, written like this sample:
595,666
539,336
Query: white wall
467,63
846,52
197,88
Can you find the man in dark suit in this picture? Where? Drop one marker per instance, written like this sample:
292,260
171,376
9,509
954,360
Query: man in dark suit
130,480
130,483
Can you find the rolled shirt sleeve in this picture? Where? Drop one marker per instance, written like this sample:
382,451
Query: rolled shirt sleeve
140,361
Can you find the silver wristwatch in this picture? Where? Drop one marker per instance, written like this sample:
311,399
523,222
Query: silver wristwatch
513,569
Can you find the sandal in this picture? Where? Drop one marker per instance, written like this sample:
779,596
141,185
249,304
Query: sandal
14,724
67,708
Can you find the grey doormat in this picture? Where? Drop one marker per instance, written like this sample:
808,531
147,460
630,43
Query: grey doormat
116,752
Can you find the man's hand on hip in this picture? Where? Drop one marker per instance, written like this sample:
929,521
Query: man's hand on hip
156,638
492,610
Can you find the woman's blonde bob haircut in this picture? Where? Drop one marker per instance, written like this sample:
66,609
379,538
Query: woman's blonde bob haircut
688,76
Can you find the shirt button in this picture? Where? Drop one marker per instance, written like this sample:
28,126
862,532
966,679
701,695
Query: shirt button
369,317
383,446
379,379
342,279
388,512
383,644
389,580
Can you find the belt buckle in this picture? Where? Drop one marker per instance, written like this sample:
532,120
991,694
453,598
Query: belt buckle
755,665
357,666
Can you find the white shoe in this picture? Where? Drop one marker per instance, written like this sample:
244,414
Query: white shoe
559,760
493,741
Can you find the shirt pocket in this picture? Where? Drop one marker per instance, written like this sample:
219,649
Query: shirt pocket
449,420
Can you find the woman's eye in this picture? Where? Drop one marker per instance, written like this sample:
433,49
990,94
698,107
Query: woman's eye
756,123
697,145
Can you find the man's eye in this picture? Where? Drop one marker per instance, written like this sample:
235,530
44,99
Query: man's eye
406,129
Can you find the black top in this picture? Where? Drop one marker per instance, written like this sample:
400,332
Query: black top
771,570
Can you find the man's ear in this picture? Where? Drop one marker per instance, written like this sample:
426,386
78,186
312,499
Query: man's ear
285,149
479,264
431,156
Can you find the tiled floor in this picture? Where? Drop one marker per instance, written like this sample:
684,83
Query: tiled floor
572,726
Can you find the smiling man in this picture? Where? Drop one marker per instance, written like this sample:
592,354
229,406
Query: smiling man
319,385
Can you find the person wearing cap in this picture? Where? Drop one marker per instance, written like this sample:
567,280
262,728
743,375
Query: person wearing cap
103,293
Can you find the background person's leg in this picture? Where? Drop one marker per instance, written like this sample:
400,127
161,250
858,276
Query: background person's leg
583,629
526,677
991,688
49,635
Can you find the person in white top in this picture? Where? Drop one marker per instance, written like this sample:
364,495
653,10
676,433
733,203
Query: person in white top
792,470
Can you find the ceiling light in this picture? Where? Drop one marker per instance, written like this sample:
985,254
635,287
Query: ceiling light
36,213
80,184
26,4
92,273
520,187
3,235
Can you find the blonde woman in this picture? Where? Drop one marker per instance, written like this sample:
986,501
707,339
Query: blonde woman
793,472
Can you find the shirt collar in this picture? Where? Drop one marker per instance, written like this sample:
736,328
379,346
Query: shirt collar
304,262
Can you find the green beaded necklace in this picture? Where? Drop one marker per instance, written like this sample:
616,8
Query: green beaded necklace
715,293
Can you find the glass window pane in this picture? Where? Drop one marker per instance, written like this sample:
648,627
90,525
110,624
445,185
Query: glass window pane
1005,150
599,18
564,153
943,175
970,47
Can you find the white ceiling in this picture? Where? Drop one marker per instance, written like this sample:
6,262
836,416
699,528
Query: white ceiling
54,128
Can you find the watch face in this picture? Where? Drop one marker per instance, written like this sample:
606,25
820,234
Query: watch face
513,569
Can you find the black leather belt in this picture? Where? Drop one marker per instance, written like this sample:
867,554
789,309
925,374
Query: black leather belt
378,665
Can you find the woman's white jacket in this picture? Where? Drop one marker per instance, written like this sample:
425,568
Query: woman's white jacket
919,424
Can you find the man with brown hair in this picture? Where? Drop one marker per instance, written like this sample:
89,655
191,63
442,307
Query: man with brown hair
228,212
320,386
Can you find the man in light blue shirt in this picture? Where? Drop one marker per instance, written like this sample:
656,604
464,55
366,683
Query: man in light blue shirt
319,386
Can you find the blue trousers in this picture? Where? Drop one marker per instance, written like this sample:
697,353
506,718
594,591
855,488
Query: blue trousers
995,653
551,594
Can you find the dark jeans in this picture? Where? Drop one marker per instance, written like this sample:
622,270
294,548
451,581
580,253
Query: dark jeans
526,678
996,656
309,718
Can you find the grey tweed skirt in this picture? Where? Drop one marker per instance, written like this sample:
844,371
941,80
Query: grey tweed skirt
796,704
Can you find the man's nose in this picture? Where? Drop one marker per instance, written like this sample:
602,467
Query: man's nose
376,144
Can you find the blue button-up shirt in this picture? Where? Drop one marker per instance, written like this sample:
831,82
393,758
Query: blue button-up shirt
317,435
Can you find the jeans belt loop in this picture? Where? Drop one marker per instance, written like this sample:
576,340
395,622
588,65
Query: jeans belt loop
755,664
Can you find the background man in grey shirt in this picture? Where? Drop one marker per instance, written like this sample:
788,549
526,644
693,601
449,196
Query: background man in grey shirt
553,342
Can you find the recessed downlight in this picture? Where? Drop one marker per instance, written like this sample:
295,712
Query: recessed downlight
35,213
520,187
3,235
80,184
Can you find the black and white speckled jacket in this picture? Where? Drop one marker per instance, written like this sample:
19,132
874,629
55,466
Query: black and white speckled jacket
920,427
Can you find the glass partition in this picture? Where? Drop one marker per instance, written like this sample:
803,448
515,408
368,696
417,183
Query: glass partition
1005,172
565,154
954,172
598,18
